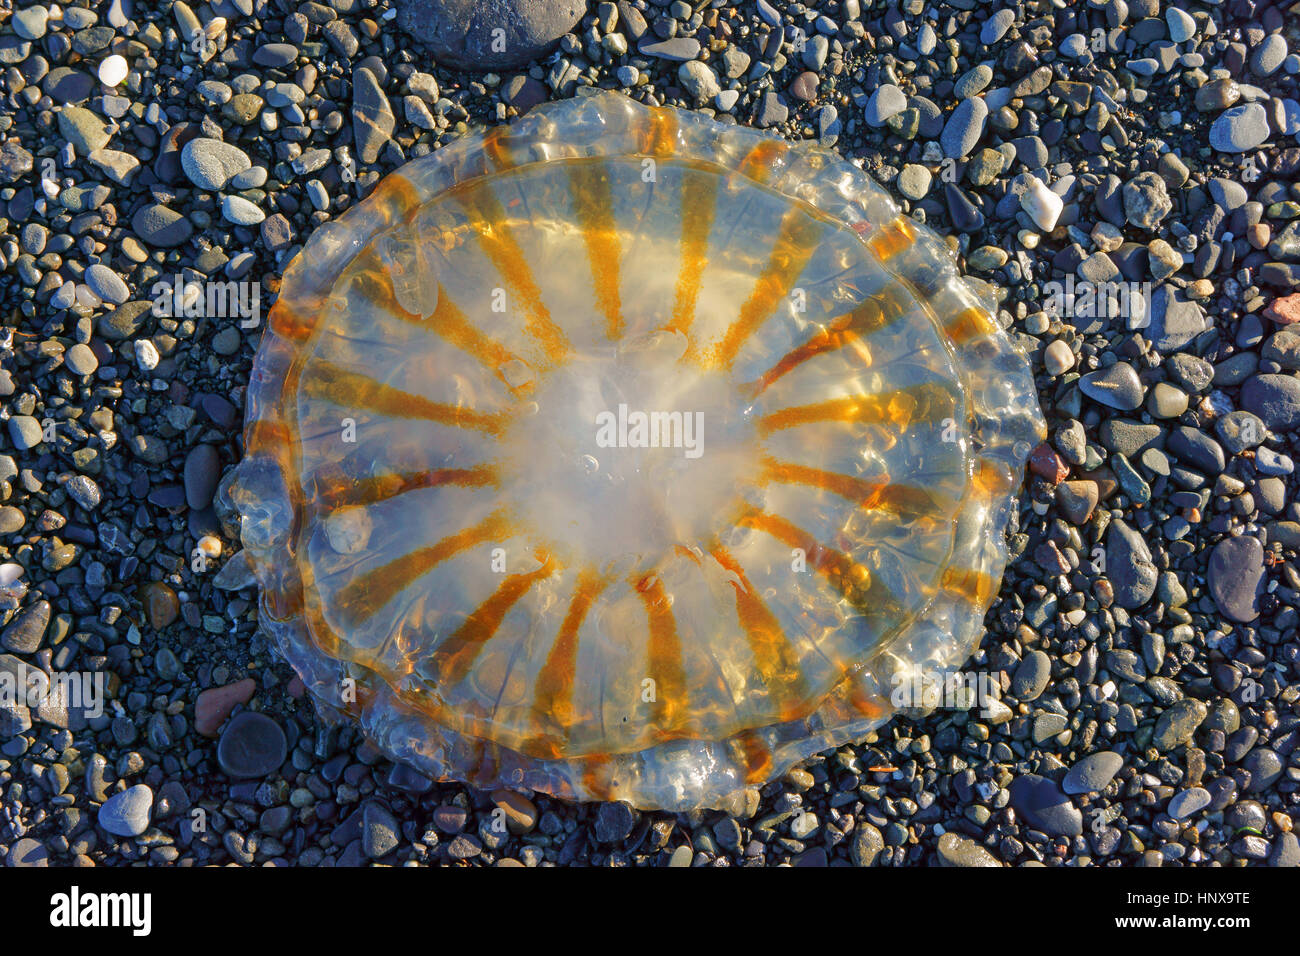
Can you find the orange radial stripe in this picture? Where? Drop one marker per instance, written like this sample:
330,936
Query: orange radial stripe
795,245
335,491
456,655
760,160
971,323
855,582
893,238
861,701
553,692
361,597
755,756
658,137
777,661
452,325
291,324
595,776
974,585
699,202
867,318
497,151
352,390
993,477
593,204
929,403
488,220
664,657
372,281
395,197
881,494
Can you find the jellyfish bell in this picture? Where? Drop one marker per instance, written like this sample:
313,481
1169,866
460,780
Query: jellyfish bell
619,454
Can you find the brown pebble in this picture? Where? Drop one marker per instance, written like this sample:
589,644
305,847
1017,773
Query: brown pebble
804,86
160,604
214,705
520,813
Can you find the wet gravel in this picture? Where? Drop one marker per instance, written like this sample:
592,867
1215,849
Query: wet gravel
1144,647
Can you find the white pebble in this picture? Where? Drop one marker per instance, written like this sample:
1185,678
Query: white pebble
210,546
1042,205
113,70
146,355
1057,358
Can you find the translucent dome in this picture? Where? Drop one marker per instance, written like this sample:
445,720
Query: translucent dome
621,454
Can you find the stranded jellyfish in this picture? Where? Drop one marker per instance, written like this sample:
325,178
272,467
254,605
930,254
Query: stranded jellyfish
621,454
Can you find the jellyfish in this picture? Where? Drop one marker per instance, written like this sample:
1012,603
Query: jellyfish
622,454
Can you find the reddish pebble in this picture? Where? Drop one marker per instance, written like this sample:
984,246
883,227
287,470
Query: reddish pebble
1284,311
214,705
1046,463
296,687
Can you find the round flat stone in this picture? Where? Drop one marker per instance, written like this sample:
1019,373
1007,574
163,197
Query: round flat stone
126,814
161,226
956,850
1093,772
1187,802
209,163
1236,577
253,745
1275,399
1115,387
28,853
1240,128
81,360
1044,806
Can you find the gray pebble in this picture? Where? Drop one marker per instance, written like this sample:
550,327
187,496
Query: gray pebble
126,814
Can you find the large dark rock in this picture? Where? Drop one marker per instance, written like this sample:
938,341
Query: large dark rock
488,34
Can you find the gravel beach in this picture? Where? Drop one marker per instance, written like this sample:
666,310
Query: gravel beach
1123,172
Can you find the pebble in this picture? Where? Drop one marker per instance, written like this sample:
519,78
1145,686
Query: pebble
1177,724
161,226
202,473
215,704
1043,805
240,211
252,745
1268,55
699,80
24,633
1236,577
614,822
1187,802
1093,773
210,163
80,360
1129,567
1180,24
1275,399
996,26
1058,358
475,35
127,813
964,128
1042,205
888,100
1240,128
957,850
107,284
25,432
86,131
1115,387
914,181
1031,676
1146,200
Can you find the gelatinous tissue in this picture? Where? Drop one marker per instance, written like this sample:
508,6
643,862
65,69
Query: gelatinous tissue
620,454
